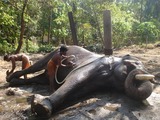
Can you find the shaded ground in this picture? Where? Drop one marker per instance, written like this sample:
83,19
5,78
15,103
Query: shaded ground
97,107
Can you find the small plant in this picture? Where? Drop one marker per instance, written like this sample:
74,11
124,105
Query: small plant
147,32
5,47
31,47
45,48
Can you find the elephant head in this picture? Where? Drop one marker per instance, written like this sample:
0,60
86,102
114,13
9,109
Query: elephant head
132,76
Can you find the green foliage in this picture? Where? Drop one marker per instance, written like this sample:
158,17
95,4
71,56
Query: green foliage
45,48
121,31
8,26
147,32
34,47
95,48
5,47
133,22
152,9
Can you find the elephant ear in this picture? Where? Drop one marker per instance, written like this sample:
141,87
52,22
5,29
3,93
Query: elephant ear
137,89
133,63
124,68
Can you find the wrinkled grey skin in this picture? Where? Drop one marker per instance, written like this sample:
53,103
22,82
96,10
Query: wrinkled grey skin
92,72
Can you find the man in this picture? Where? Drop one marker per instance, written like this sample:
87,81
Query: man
54,62
18,57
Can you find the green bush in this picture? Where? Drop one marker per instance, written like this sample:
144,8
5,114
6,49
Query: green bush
5,47
32,47
45,48
121,31
147,32
95,48
35,47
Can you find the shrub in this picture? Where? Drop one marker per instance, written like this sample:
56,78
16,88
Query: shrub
32,47
5,47
147,32
121,31
45,48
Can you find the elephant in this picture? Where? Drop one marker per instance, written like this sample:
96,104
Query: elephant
92,72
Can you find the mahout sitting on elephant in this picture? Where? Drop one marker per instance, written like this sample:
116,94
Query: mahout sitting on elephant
92,72
54,63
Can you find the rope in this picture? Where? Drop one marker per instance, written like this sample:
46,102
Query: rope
72,70
57,70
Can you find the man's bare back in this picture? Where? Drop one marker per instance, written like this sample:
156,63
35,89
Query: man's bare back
17,57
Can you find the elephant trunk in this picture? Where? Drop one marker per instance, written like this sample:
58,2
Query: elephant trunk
138,89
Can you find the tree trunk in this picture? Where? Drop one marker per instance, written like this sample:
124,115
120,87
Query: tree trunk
141,11
73,28
42,35
49,28
27,46
98,26
20,43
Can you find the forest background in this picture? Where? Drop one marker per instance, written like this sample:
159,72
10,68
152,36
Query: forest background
41,25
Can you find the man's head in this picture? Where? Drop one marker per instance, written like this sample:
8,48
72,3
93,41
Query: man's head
63,49
6,57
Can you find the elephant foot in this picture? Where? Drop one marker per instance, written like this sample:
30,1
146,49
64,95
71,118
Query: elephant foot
13,75
41,106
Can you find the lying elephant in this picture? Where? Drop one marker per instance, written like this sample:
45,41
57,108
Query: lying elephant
92,72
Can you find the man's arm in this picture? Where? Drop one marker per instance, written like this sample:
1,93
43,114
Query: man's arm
13,65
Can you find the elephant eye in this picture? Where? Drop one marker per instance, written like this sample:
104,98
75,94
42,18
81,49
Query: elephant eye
137,63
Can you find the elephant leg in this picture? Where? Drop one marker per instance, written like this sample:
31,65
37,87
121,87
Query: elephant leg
73,83
40,79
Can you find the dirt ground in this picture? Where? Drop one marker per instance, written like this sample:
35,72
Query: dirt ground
98,106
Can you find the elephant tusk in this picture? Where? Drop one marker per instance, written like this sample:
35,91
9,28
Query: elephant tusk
131,61
72,56
144,77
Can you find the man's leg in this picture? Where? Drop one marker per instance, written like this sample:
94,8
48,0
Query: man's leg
51,67
25,65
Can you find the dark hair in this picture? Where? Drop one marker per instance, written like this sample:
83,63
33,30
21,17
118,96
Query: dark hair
63,48
5,57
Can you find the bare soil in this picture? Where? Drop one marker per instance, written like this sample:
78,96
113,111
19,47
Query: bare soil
97,107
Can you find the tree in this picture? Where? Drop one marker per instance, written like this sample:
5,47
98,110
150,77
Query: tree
22,28
36,18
